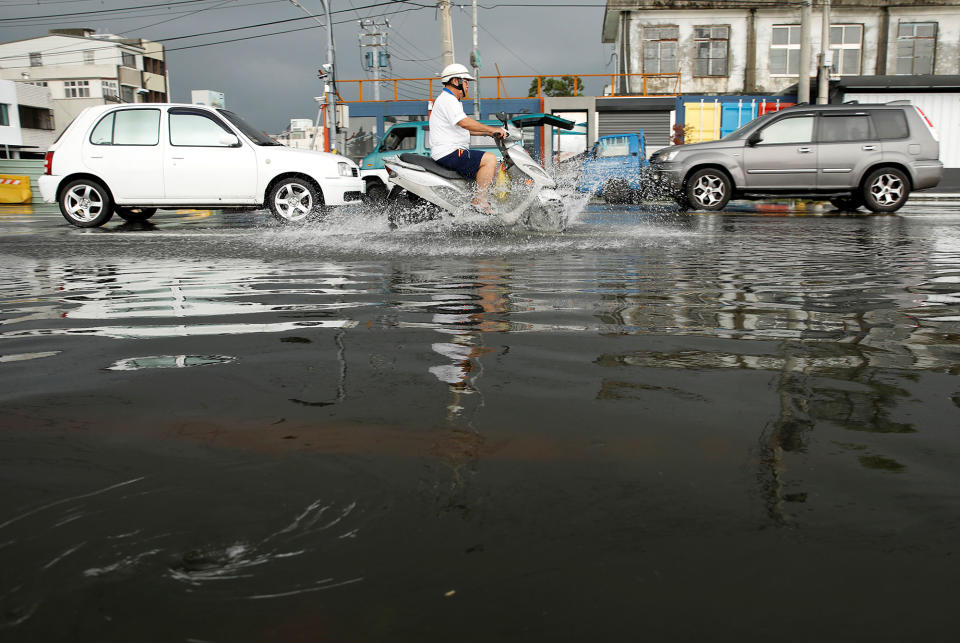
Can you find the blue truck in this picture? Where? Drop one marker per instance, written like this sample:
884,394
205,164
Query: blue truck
616,169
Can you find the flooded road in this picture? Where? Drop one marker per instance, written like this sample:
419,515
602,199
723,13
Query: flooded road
654,426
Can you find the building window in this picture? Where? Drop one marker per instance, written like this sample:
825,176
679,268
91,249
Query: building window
916,45
153,66
36,59
109,88
35,118
785,50
846,45
710,47
660,50
38,83
76,88
128,60
88,56
4,114
126,94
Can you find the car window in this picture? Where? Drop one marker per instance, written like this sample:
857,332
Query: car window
128,127
890,123
196,130
845,127
404,138
789,130
616,146
255,135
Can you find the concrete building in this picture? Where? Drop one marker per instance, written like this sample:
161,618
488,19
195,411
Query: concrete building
300,135
744,47
27,123
83,68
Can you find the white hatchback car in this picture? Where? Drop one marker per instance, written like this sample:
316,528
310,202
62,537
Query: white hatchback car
132,159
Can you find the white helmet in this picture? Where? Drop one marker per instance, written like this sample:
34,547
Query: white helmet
455,70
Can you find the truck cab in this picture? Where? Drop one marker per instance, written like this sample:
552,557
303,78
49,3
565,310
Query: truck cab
616,168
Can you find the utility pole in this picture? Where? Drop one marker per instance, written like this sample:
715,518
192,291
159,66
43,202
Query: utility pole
823,83
374,59
475,63
446,33
327,73
803,82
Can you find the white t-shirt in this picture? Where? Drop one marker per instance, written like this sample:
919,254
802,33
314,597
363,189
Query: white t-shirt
446,137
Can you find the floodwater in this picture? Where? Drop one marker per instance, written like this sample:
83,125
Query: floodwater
655,427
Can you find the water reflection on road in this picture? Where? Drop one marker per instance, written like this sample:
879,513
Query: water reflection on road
215,411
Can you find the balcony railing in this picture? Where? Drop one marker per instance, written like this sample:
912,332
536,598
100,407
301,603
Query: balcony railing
419,89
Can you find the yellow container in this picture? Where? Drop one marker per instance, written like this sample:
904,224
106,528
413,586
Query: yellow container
15,189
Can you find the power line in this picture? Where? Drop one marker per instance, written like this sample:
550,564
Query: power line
96,11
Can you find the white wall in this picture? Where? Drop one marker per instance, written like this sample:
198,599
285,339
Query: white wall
943,110
10,134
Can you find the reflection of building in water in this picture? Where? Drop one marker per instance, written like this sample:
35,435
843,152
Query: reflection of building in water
844,336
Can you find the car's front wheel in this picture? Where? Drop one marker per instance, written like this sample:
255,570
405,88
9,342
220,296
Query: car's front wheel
708,189
86,203
886,190
134,214
617,192
376,192
295,200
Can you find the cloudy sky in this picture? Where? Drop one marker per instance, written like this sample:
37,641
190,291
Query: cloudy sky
272,78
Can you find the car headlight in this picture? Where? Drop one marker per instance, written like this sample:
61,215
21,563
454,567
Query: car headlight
344,169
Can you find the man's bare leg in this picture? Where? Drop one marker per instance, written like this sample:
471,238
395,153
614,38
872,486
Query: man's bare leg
488,166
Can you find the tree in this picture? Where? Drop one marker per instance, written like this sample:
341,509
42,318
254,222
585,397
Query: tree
563,86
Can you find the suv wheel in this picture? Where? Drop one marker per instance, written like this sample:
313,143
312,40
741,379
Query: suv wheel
85,203
134,214
886,190
294,200
708,189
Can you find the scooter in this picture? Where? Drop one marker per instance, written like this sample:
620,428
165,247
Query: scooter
522,192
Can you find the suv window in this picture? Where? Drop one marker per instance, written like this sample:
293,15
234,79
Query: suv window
128,127
195,129
789,130
835,128
890,123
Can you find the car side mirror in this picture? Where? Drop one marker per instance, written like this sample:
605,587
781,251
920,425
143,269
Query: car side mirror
754,138
229,140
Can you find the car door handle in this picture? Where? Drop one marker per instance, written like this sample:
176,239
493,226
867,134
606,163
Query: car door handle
803,150
177,158
869,148
97,157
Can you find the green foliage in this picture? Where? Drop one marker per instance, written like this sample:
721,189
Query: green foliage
563,86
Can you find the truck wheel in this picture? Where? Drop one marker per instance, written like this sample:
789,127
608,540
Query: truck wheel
376,192
617,191
708,189
886,190
134,214
846,203
86,203
295,200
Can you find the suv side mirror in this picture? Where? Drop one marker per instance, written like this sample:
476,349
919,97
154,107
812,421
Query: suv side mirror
754,138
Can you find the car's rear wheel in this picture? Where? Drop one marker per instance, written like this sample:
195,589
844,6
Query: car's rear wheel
134,214
886,190
708,189
86,203
295,200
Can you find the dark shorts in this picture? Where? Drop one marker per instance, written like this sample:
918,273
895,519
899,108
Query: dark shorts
464,162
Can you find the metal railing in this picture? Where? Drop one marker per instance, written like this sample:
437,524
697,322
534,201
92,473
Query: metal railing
418,89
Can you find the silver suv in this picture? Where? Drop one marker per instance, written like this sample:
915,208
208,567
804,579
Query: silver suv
854,155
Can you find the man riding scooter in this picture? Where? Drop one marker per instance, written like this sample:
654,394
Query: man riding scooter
450,130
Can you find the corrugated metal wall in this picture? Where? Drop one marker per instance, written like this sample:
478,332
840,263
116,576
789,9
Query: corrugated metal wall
942,109
655,126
